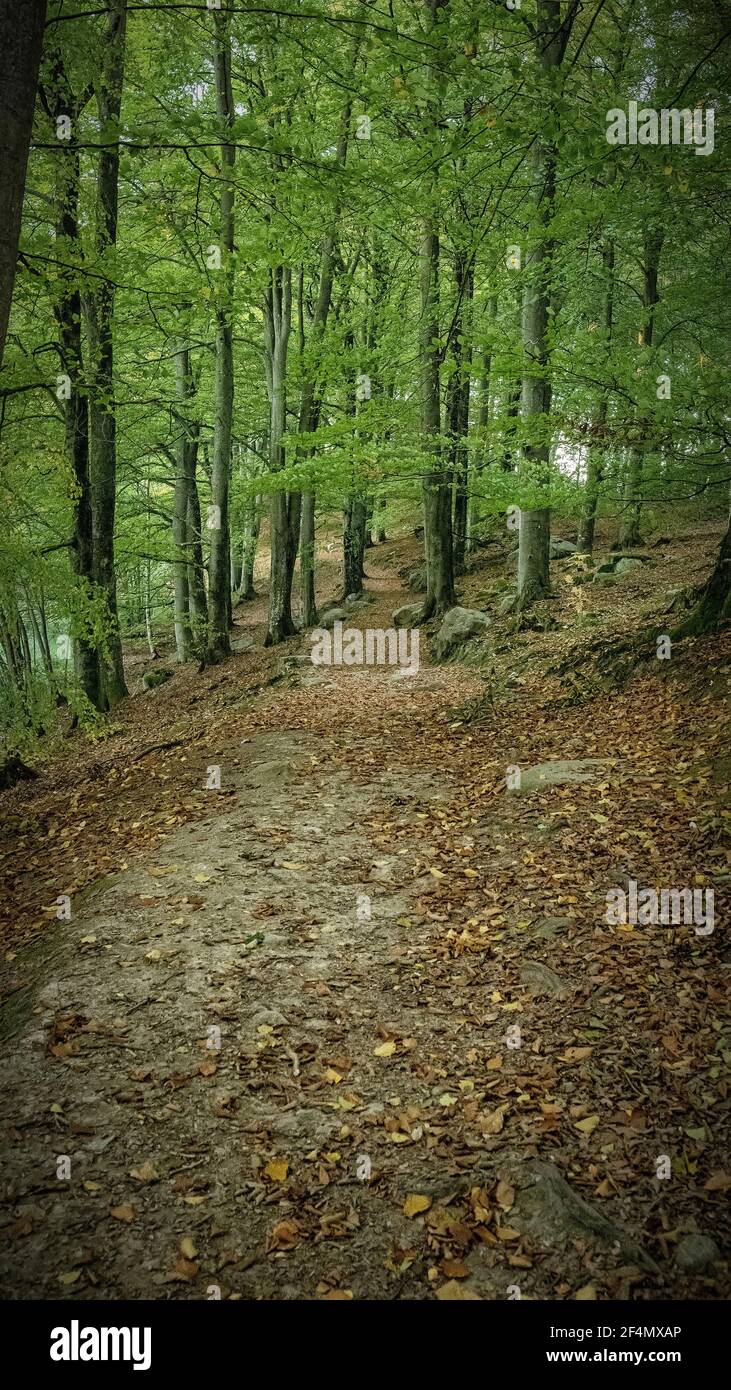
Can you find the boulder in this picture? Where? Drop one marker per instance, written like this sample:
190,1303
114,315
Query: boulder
627,565
604,576
696,1252
560,550
459,625
407,616
555,773
359,600
332,615
152,679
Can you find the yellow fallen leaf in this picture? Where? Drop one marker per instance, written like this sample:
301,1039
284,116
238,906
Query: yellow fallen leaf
123,1213
437,873
454,1292
277,1169
331,1076
588,1125
92,1187
69,1278
201,878
195,1201
145,1173
386,1049
290,864
586,1294
187,1248
415,1204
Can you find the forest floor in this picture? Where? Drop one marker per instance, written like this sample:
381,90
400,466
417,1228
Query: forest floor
355,1025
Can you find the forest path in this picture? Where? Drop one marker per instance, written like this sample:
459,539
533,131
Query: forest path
278,1042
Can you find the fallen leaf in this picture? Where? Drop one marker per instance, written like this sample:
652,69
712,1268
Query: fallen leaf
415,1203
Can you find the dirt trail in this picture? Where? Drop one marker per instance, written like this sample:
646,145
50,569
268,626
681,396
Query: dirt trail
271,1056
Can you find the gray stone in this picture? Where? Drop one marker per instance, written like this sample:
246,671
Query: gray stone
507,604
459,625
604,576
242,644
407,616
696,1252
152,679
331,616
627,565
359,600
543,775
540,979
560,550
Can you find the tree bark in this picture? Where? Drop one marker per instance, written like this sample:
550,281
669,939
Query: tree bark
68,310
629,531
595,464
102,406
21,43
437,488
533,581
181,585
219,564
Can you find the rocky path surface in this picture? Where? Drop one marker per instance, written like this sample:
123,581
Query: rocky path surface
342,1035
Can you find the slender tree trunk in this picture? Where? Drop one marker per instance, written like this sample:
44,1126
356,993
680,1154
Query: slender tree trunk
629,531
21,42
252,527
198,601
284,507
458,405
595,463
102,412
219,565
483,420
181,587
437,488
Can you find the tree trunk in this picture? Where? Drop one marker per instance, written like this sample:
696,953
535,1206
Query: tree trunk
181,586
284,513
219,585
595,465
437,489
629,531
76,407
198,602
533,581
102,415
458,404
714,604
354,544
21,42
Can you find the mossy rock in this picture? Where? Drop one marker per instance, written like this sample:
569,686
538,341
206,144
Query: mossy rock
152,679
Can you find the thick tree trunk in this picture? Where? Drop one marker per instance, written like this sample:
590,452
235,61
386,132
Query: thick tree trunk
219,585
714,605
102,411
354,544
76,406
533,581
21,42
